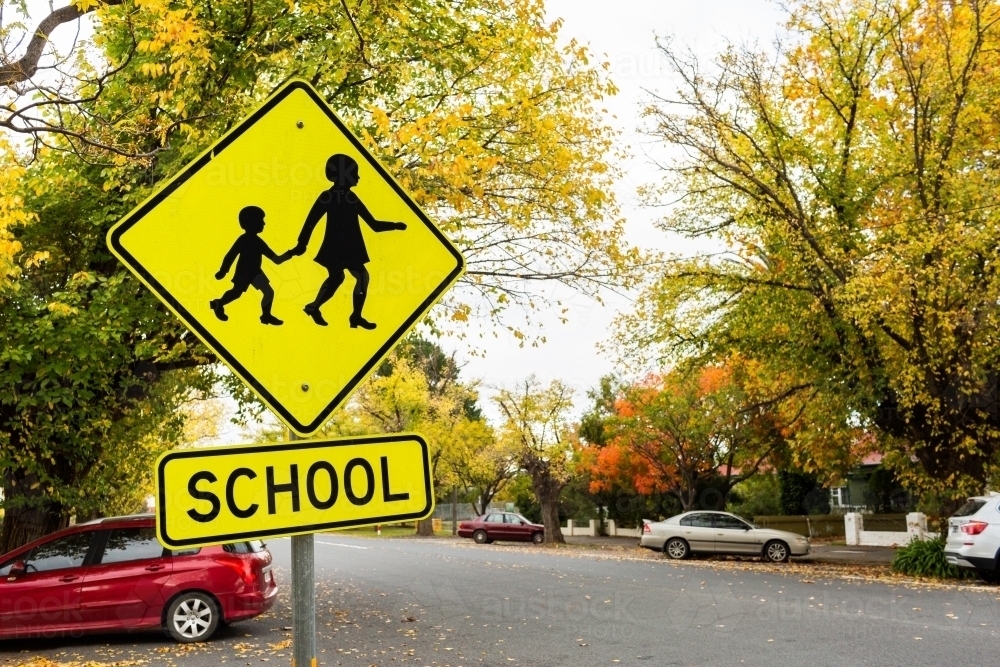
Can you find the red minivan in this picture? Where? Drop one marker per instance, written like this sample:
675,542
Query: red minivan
112,574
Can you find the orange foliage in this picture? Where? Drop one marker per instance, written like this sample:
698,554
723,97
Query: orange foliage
673,432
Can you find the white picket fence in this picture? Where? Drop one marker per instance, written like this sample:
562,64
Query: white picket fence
571,529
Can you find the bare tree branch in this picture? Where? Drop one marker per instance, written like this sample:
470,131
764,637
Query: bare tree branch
25,68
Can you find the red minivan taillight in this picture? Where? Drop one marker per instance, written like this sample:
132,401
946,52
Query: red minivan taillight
241,566
974,527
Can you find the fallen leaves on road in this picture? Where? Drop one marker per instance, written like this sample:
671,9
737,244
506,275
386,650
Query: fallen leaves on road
45,662
807,572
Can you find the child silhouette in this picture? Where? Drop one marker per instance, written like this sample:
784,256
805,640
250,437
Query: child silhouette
251,249
343,247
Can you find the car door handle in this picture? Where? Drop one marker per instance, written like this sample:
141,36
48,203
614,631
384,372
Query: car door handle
69,577
154,568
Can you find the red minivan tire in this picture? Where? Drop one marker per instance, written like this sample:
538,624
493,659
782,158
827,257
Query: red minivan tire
192,616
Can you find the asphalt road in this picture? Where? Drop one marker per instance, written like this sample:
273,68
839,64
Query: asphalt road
450,603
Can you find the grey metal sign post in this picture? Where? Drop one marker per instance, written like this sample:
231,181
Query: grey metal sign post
303,597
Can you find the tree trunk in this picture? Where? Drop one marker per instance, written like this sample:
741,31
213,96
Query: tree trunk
550,518
29,515
687,498
547,492
425,528
484,502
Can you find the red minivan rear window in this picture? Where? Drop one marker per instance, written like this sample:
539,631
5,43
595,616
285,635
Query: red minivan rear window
249,547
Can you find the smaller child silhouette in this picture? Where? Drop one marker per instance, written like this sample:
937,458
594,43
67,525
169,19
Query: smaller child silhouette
251,249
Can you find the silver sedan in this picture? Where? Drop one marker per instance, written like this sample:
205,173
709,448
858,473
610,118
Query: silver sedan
720,533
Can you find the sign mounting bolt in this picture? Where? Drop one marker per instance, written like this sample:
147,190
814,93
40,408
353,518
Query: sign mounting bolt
305,387
300,125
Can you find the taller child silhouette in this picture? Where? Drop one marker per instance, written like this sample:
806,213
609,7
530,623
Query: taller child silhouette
343,247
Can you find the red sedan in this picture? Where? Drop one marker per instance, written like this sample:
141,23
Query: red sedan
501,526
112,574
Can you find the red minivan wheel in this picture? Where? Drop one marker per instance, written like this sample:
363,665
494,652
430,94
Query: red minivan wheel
191,617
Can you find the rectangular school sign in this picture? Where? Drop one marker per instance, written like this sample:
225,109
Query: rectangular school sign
224,494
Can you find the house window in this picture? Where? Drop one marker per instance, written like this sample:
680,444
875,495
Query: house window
839,497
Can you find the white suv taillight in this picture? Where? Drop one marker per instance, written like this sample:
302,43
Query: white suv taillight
974,527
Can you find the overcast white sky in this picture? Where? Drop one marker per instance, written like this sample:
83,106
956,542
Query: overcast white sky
622,33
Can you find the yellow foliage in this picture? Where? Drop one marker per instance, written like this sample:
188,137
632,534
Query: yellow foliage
12,212
404,401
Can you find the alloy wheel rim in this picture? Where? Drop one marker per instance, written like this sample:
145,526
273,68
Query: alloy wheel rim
676,549
192,618
776,552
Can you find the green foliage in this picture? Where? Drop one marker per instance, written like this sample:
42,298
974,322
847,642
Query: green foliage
800,493
925,558
576,502
92,370
593,427
885,494
758,496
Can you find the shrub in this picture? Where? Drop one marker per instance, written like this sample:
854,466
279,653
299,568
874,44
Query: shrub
757,496
925,558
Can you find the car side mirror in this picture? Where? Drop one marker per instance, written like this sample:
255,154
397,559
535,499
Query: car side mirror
17,568
524,523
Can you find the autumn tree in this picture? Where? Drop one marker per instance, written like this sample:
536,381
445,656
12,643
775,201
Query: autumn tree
680,433
417,390
849,181
535,423
481,463
474,106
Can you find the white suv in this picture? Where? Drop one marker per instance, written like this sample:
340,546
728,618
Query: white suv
974,536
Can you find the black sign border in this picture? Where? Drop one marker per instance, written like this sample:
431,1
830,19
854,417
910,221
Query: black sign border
114,239
161,504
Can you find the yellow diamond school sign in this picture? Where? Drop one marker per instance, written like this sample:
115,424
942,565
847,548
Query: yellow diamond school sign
292,254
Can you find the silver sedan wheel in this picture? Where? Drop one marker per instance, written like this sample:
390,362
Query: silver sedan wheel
776,552
677,549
